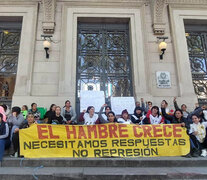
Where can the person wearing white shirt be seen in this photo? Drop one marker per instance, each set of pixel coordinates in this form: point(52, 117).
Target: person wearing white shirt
point(90, 117)
point(103, 116)
point(124, 119)
point(197, 134)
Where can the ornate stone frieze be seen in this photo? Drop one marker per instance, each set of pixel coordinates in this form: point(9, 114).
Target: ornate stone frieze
point(199, 2)
point(157, 7)
point(48, 24)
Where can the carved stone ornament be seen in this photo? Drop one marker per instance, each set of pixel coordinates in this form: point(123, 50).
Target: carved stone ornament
point(196, 2)
point(48, 24)
point(157, 7)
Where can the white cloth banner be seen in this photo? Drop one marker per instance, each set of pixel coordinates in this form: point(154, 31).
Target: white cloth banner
point(91, 98)
point(118, 104)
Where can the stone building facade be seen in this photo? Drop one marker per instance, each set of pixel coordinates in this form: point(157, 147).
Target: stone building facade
point(54, 80)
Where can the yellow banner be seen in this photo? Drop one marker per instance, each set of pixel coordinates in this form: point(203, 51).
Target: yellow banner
point(104, 140)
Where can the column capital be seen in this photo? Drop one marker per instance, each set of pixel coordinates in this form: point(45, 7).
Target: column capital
point(48, 23)
point(157, 7)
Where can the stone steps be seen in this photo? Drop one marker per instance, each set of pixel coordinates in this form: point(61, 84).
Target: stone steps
point(89, 173)
point(159, 168)
point(106, 162)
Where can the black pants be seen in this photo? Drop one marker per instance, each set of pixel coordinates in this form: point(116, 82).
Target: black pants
point(197, 144)
point(15, 141)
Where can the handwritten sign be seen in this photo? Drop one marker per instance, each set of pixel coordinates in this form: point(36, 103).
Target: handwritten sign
point(118, 104)
point(91, 98)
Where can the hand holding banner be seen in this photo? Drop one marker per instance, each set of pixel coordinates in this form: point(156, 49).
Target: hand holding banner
point(104, 140)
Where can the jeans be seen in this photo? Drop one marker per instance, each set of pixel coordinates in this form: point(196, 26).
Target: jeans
point(2, 147)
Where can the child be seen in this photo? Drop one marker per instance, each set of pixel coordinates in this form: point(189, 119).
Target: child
point(197, 134)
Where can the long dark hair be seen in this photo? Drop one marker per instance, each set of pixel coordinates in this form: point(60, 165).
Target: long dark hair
point(2, 126)
point(33, 104)
point(88, 109)
point(158, 111)
point(52, 106)
point(165, 102)
point(5, 107)
point(1, 116)
point(111, 112)
point(199, 117)
point(107, 108)
point(25, 107)
point(16, 109)
point(179, 111)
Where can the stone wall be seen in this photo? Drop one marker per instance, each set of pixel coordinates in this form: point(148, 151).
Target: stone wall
point(52, 80)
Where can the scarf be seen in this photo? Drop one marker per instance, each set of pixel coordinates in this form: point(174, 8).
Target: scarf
point(138, 115)
point(201, 132)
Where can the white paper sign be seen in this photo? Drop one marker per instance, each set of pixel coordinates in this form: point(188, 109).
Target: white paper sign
point(118, 104)
point(91, 98)
point(163, 79)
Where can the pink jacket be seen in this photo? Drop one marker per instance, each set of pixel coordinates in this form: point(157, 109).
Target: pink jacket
point(3, 112)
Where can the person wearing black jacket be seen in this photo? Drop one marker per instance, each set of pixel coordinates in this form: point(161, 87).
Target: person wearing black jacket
point(138, 116)
point(177, 118)
point(185, 122)
point(49, 114)
point(183, 108)
point(57, 118)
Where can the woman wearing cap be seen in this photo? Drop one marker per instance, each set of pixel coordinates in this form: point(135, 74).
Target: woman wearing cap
point(124, 119)
point(138, 116)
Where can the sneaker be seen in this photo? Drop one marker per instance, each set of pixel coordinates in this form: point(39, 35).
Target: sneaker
point(196, 153)
point(14, 155)
point(188, 155)
point(203, 153)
